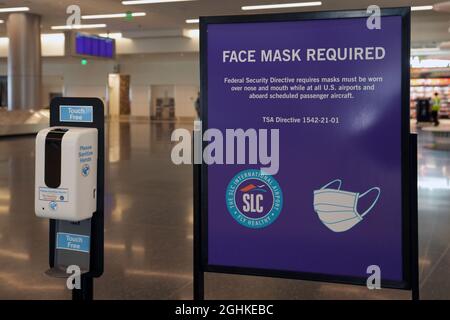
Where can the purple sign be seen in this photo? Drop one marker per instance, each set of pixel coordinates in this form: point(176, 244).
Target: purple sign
point(332, 89)
point(91, 45)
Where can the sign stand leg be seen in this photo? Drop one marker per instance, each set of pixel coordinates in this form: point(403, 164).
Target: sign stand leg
point(86, 293)
point(415, 287)
point(199, 283)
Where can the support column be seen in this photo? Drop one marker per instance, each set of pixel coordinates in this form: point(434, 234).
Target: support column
point(24, 61)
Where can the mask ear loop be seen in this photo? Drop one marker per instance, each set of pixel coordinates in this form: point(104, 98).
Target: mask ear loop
point(374, 202)
point(330, 183)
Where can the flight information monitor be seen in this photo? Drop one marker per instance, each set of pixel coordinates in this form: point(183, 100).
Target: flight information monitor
point(94, 46)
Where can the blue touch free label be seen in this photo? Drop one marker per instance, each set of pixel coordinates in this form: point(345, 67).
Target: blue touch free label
point(76, 114)
point(72, 242)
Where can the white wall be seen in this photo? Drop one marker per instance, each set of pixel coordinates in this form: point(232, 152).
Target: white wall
point(157, 45)
point(53, 45)
point(185, 97)
point(67, 75)
point(148, 61)
point(180, 70)
point(77, 80)
point(113, 94)
point(51, 83)
point(97, 91)
point(140, 96)
point(161, 69)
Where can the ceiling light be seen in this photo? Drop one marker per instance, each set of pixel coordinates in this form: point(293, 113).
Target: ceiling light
point(113, 15)
point(425, 49)
point(192, 20)
point(79, 26)
point(2, 21)
point(415, 62)
point(421, 8)
point(112, 35)
point(14, 9)
point(282, 5)
point(131, 2)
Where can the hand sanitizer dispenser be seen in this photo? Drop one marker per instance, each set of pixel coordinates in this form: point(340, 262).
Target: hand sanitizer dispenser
point(66, 173)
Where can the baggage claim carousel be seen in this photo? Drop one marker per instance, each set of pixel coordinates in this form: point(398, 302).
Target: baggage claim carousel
point(13, 123)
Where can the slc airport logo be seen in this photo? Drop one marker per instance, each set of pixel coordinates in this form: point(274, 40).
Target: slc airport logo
point(254, 199)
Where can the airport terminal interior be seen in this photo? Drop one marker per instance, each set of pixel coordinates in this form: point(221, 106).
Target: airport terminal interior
point(150, 86)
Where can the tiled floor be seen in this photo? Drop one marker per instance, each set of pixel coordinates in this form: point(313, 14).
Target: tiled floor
point(148, 228)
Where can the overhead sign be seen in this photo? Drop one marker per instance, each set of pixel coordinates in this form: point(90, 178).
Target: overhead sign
point(95, 46)
point(334, 92)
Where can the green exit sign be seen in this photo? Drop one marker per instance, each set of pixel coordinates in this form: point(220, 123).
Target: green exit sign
point(129, 16)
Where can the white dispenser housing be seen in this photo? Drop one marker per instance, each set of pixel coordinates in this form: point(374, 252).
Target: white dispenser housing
point(66, 173)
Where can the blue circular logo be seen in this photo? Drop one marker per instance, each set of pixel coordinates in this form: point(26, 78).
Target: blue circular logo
point(53, 205)
point(85, 170)
point(254, 199)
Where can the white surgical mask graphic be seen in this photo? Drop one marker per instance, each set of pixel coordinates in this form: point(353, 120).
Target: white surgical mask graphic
point(337, 209)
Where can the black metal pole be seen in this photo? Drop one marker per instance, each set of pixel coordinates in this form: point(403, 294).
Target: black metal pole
point(86, 292)
point(415, 280)
point(199, 283)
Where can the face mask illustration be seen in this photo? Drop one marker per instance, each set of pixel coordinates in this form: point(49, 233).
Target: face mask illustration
point(337, 209)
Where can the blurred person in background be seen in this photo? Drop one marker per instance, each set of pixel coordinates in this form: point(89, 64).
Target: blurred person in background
point(436, 106)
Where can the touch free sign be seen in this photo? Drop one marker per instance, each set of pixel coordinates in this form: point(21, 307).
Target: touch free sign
point(76, 113)
point(72, 242)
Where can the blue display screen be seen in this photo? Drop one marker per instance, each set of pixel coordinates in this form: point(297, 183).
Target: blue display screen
point(94, 46)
